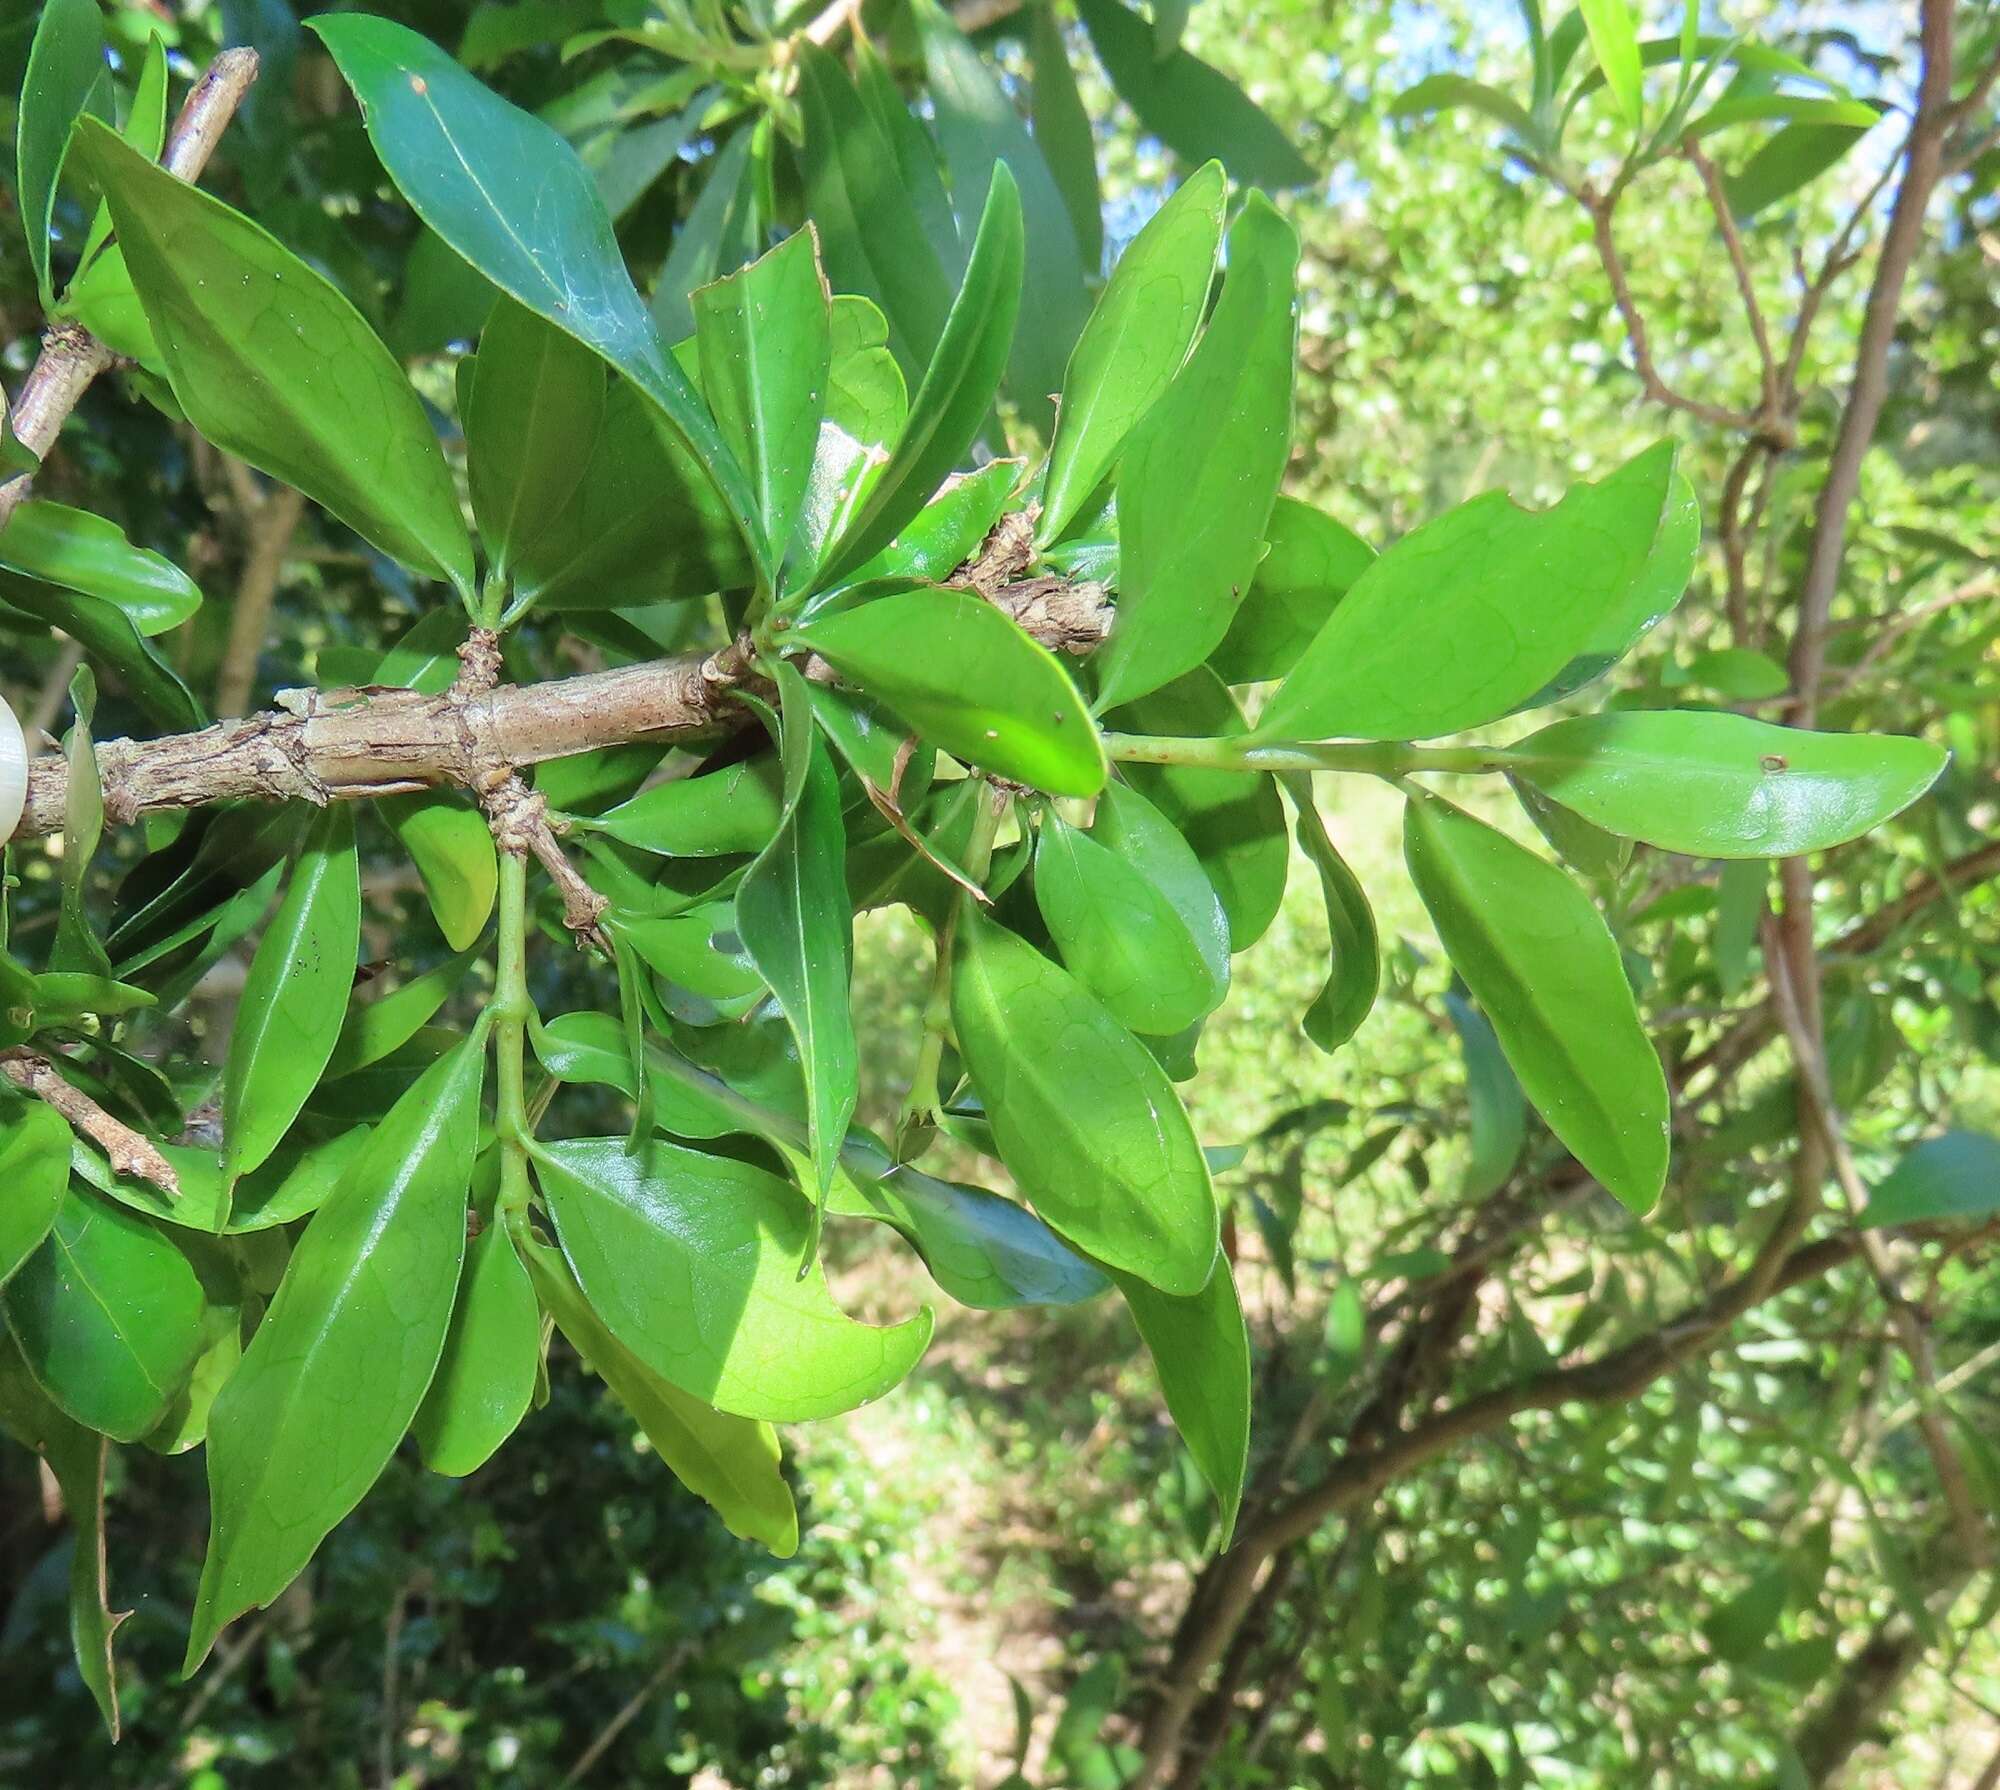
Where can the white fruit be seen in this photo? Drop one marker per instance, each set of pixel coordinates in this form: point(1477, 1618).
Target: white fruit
point(13, 772)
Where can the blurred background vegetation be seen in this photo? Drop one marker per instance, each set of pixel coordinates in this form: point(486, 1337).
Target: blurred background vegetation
point(1741, 1576)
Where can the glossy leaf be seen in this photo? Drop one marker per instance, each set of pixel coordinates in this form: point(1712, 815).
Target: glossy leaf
point(452, 847)
point(1235, 823)
point(271, 363)
point(1491, 600)
point(980, 131)
point(916, 154)
point(1135, 342)
point(65, 66)
point(86, 553)
point(1085, 1119)
point(765, 336)
point(1199, 477)
point(1955, 1175)
point(1120, 936)
point(1129, 825)
point(295, 995)
point(486, 1376)
point(731, 1463)
point(736, 809)
point(1548, 976)
point(372, 1029)
point(34, 1170)
point(872, 234)
point(1201, 1352)
point(967, 678)
point(794, 918)
point(347, 1350)
point(1614, 37)
point(108, 1314)
point(107, 633)
point(693, 1263)
point(76, 1457)
point(712, 238)
point(1724, 786)
point(958, 387)
point(1199, 113)
point(1063, 135)
point(530, 429)
point(949, 529)
point(1310, 562)
point(511, 197)
point(1355, 978)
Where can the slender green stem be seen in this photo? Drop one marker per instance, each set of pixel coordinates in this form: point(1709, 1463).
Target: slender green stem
point(1380, 758)
point(511, 1008)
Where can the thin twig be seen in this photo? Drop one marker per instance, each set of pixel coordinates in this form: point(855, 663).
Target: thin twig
point(129, 1151)
point(269, 525)
point(625, 1717)
point(1746, 285)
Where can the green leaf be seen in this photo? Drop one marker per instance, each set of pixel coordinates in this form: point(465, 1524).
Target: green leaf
point(1199, 113)
point(1614, 37)
point(486, 1376)
point(1201, 1352)
point(696, 950)
point(715, 236)
point(452, 848)
point(1724, 786)
point(1492, 601)
point(947, 531)
point(1063, 135)
point(966, 677)
point(980, 131)
point(642, 525)
point(1499, 1116)
point(77, 948)
point(1953, 1175)
point(106, 633)
point(76, 1456)
point(108, 1313)
point(1235, 823)
point(916, 154)
point(347, 1350)
point(1355, 978)
point(1792, 157)
point(65, 65)
point(1135, 342)
point(1740, 899)
point(1121, 937)
point(794, 918)
point(1085, 1119)
point(958, 386)
point(1448, 92)
point(765, 337)
point(373, 1029)
point(871, 232)
point(1310, 562)
point(86, 553)
point(729, 1462)
point(295, 995)
point(511, 197)
point(693, 1263)
point(1549, 978)
point(1739, 673)
point(1199, 477)
point(34, 1169)
point(1738, 1630)
point(272, 364)
point(736, 809)
point(530, 429)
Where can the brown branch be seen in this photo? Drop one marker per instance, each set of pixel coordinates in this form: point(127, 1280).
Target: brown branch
point(129, 1151)
point(1746, 285)
point(270, 520)
point(321, 746)
point(72, 357)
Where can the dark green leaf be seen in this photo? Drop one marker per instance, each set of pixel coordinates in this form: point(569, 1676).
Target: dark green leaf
point(1199, 113)
point(374, 1028)
point(713, 239)
point(271, 363)
point(1493, 601)
point(1355, 977)
point(794, 918)
point(1063, 135)
point(65, 64)
point(968, 679)
point(1448, 92)
point(1740, 900)
point(1197, 482)
point(106, 633)
point(1499, 1116)
point(1136, 341)
point(34, 1169)
point(1954, 1175)
point(1085, 1119)
point(1724, 786)
point(530, 429)
point(511, 197)
point(1792, 157)
point(295, 995)
point(958, 387)
point(347, 1350)
point(1549, 978)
